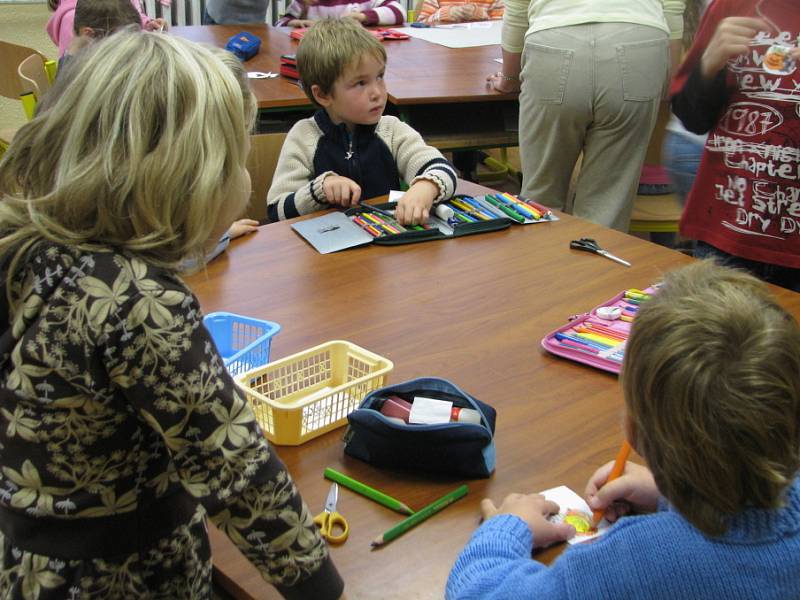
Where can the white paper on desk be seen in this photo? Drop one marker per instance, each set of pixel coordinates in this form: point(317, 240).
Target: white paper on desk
point(395, 195)
point(429, 411)
point(575, 511)
point(332, 232)
point(459, 35)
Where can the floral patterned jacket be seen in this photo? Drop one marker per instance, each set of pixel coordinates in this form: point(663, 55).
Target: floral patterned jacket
point(120, 430)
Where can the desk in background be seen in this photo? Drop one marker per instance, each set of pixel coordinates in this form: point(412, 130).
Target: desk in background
point(472, 310)
point(440, 91)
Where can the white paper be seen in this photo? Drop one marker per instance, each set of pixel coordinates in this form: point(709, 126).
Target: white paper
point(429, 411)
point(395, 195)
point(574, 508)
point(460, 35)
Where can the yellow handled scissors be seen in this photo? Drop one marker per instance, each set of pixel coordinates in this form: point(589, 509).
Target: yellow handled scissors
point(329, 520)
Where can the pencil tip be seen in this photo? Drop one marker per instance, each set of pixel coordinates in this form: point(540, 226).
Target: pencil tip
point(376, 543)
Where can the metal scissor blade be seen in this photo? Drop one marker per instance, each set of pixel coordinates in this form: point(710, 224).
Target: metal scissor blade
point(616, 259)
point(333, 498)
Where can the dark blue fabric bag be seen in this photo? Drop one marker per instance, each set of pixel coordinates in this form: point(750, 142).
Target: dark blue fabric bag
point(458, 449)
point(244, 45)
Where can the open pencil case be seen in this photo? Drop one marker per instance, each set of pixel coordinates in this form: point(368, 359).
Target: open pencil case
point(456, 448)
point(598, 338)
point(386, 231)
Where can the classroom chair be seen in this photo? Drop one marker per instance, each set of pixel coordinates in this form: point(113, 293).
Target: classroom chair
point(11, 55)
point(265, 148)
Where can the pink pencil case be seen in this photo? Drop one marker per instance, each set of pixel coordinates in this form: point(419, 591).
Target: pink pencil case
point(597, 338)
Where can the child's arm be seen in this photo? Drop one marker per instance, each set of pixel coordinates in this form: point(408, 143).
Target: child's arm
point(429, 13)
point(296, 189)
point(219, 453)
point(635, 490)
point(295, 13)
point(416, 161)
point(384, 12)
point(496, 563)
point(699, 91)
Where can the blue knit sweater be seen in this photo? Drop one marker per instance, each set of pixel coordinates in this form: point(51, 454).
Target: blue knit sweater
point(659, 556)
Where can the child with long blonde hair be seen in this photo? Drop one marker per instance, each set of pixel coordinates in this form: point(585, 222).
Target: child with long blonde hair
point(120, 429)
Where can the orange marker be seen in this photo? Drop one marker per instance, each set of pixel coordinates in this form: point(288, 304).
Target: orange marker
point(616, 471)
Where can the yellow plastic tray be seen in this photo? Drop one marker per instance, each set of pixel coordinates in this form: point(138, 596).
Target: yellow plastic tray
point(304, 395)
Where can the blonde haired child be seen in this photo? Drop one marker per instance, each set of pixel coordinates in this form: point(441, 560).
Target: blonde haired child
point(121, 429)
point(712, 391)
point(348, 150)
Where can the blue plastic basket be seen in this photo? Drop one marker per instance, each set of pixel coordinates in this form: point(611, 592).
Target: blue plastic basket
point(243, 342)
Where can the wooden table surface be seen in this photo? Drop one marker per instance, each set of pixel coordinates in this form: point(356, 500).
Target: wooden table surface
point(472, 310)
point(418, 72)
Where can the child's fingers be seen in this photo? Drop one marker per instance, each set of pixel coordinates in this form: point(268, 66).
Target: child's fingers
point(488, 509)
point(597, 479)
point(355, 194)
point(619, 489)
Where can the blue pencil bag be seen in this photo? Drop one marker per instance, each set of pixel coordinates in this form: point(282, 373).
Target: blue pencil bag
point(455, 448)
point(244, 45)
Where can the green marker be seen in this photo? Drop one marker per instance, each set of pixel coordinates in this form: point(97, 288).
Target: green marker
point(419, 516)
point(367, 491)
point(508, 211)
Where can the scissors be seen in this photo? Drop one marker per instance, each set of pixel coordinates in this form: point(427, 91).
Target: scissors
point(329, 519)
point(590, 245)
point(261, 75)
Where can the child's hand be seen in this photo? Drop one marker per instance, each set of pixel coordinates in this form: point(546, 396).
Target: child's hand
point(357, 15)
point(534, 510)
point(634, 490)
point(300, 23)
point(731, 39)
point(341, 191)
point(414, 207)
point(241, 227)
point(156, 25)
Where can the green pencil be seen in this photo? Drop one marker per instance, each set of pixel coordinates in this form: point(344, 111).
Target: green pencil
point(419, 516)
point(367, 491)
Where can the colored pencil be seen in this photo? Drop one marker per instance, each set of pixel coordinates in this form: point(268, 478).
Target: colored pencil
point(616, 471)
point(365, 490)
point(419, 516)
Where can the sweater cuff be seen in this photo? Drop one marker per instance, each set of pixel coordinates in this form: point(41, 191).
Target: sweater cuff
point(371, 17)
point(324, 584)
point(317, 189)
point(435, 180)
point(505, 534)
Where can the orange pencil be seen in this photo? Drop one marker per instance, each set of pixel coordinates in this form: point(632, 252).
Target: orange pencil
point(616, 471)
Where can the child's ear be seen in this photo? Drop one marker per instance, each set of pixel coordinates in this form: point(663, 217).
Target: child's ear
point(323, 99)
point(86, 32)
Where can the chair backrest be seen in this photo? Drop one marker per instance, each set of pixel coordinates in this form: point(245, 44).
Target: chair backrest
point(32, 76)
point(11, 55)
point(265, 148)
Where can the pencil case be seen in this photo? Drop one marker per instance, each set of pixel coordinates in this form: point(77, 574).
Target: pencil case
point(598, 338)
point(244, 45)
point(457, 448)
point(288, 66)
point(386, 231)
point(379, 33)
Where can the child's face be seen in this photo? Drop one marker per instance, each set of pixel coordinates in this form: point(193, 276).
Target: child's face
point(358, 96)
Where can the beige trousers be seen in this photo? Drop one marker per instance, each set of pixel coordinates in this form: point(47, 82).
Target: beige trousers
point(592, 88)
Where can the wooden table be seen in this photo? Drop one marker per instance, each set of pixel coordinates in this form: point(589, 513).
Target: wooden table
point(472, 310)
point(440, 91)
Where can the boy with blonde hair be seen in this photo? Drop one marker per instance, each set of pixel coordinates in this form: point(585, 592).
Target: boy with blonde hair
point(712, 392)
point(348, 150)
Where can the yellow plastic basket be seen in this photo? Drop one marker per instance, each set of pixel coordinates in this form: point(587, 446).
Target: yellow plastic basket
point(304, 395)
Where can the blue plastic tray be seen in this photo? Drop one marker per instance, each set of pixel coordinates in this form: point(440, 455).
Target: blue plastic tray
point(243, 342)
